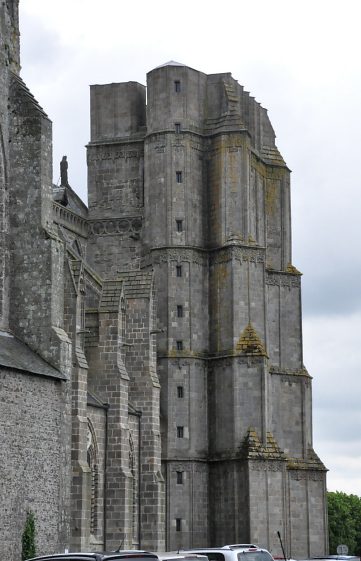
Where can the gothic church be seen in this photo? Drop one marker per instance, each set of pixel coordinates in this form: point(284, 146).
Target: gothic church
point(152, 387)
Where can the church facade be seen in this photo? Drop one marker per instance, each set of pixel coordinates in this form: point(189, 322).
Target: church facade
point(153, 393)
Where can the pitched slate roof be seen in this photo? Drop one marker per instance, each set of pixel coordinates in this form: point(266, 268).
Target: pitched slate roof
point(137, 284)
point(17, 355)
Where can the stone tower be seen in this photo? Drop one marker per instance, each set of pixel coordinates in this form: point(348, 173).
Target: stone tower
point(9, 62)
point(192, 186)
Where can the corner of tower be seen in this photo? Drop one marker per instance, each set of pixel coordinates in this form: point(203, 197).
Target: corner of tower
point(10, 34)
point(117, 110)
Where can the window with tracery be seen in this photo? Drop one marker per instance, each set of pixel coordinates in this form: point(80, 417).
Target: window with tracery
point(134, 501)
point(94, 479)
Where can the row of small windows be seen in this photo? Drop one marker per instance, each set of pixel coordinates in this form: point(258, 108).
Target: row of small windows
point(179, 343)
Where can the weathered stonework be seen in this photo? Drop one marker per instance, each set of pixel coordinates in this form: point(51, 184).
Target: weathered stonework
point(152, 385)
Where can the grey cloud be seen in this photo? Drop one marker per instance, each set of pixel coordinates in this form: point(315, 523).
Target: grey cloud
point(41, 49)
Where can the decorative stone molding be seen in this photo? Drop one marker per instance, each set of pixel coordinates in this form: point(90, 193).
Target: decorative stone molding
point(114, 155)
point(283, 279)
point(267, 465)
point(116, 226)
point(189, 466)
point(243, 254)
point(274, 369)
point(302, 475)
point(190, 255)
point(186, 354)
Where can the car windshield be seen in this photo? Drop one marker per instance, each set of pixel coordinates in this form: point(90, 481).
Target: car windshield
point(254, 556)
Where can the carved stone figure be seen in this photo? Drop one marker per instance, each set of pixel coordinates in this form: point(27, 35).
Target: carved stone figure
point(64, 172)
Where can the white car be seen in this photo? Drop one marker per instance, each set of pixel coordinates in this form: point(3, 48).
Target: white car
point(234, 552)
point(180, 556)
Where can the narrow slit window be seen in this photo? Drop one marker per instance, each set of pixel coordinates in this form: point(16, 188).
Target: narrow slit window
point(177, 86)
point(177, 127)
point(179, 345)
point(180, 432)
point(179, 270)
point(180, 477)
point(179, 176)
point(179, 311)
point(180, 392)
point(179, 224)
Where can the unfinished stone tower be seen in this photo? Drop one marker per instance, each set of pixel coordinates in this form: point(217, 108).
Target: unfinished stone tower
point(192, 187)
point(152, 387)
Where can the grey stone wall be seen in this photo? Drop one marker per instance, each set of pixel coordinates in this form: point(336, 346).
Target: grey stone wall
point(35, 439)
point(187, 504)
point(229, 512)
point(266, 479)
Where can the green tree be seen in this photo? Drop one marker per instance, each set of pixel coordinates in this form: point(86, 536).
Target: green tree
point(344, 521)
point(28, 538)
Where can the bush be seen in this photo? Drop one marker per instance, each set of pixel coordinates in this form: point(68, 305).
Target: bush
point(28, 538)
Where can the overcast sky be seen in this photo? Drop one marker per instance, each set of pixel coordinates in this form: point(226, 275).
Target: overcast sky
point(301, 60)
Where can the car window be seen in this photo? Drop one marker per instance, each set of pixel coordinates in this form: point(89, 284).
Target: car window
point(133, 557)
point(212, 555)
point(67, 558)
point(254, 556)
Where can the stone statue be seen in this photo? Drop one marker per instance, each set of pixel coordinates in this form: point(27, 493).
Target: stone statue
point(64, 172)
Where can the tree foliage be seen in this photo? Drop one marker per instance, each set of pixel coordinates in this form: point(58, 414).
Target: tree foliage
point(28, 538)
point(344, 522)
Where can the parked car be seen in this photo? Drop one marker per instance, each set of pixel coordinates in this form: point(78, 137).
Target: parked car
point(234, 552)
point(132, 555)
point(335, 558)
point(176, 556)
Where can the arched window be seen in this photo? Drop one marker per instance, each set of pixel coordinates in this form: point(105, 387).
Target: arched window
point(92, 458)
point(134, 496)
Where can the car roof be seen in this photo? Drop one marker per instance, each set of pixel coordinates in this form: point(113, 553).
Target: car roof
point(179, 554)
point(97, 556)
point(241, 546)
point(244, 547)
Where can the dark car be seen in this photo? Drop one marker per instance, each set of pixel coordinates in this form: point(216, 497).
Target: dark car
point(132, 555)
